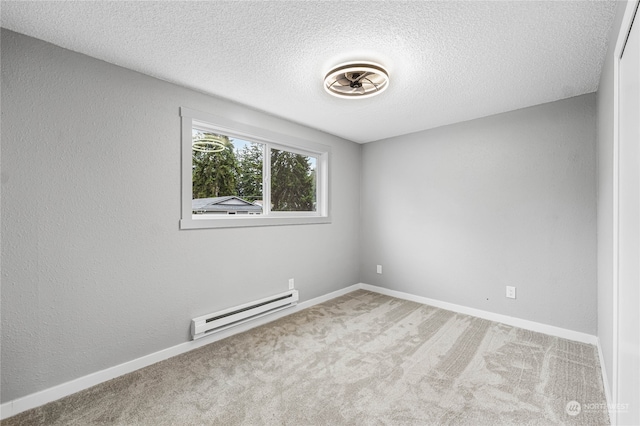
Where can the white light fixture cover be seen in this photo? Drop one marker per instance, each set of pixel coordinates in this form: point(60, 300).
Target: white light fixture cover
point(356, 80)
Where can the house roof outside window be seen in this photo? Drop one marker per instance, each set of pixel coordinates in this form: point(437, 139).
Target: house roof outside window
point(229, 204)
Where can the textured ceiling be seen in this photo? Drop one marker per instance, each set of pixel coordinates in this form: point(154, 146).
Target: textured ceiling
point(448, 61)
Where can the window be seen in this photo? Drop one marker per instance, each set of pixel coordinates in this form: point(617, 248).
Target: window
point(237, 175)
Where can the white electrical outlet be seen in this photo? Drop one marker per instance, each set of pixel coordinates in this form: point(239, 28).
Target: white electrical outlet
point(291, 283)
point(379, 269)
point(511, 292)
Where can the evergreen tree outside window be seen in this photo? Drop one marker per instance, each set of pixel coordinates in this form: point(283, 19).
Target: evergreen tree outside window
point(214, 173)
point(292, 181)
point(250, 172)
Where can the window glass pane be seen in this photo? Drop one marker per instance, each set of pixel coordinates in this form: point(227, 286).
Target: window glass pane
point(226, 174)
point(293, 182)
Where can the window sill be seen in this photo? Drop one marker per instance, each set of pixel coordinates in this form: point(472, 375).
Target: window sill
point(197, 222)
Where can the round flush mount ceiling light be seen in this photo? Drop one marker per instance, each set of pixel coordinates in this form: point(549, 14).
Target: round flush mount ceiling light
point(356, 80)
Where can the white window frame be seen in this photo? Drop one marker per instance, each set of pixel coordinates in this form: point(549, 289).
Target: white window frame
point(270, 139)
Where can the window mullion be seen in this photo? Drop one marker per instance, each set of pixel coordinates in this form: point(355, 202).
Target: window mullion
point(266, 179)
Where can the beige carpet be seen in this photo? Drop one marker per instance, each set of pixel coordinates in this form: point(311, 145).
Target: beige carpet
point(361, 359)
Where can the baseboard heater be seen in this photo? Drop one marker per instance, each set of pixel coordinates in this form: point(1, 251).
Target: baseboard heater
point(222, 320)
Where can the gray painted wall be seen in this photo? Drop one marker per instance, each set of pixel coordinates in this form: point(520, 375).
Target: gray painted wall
point(459, 212)
point(605, 99)
point(95, 271)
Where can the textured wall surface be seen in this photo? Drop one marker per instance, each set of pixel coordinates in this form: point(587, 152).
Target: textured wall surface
point(605, 200)
point(459, 212)
point(95, 271)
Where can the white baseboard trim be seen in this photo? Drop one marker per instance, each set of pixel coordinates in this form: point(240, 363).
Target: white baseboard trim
point(605, 383)
point(37, 399)
point(328, 296)
point(505, 319)
point(11, 408)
